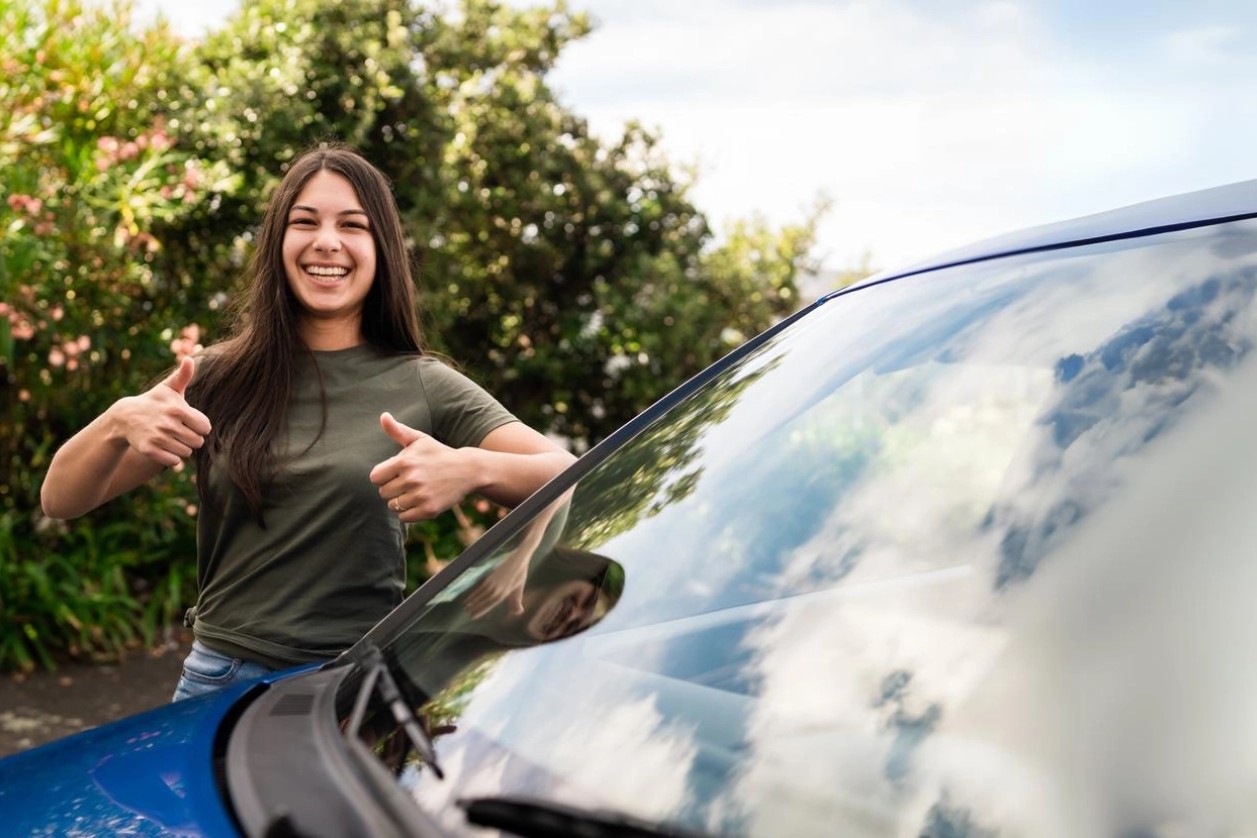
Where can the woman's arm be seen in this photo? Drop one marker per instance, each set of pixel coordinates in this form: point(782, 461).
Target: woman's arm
point(514, 461)
point(427, 477)
point(125, 446)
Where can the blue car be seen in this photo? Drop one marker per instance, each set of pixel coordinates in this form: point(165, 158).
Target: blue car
point(966, 550)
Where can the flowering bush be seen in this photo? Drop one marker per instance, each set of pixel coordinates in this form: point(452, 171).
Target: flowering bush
point(91, 174)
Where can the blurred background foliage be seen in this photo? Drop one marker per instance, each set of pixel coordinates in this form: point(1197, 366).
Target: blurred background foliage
point(570, 275)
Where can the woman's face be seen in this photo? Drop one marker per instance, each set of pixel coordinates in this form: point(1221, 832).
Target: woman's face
point(329, 260)
point(560, 611)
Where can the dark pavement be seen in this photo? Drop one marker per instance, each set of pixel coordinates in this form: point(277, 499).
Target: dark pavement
point(48, 705)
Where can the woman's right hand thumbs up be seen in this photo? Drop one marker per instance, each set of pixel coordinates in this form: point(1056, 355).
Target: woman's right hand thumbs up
point(160, 424)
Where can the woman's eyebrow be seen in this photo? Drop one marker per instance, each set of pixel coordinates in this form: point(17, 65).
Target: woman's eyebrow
point(315, 211)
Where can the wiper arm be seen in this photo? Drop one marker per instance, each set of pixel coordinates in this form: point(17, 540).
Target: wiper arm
point(530, 818)
point(378, 675)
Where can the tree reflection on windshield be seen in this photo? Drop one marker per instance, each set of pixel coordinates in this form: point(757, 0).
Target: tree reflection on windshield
point(658, 468)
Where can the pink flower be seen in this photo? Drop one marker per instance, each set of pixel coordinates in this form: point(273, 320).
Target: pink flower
point(56, 357)
point(84, 342)
point(159, 140)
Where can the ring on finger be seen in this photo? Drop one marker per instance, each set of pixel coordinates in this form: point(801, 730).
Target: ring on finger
point(397, 506)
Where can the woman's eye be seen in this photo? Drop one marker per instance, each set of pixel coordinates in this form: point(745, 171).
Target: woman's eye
point(301, 222)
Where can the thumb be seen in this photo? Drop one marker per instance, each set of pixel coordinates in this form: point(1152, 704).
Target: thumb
point(515, 604)
point(182, 377)
point(398, 432)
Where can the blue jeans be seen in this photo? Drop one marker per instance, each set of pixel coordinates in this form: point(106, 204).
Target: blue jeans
point(206, 671)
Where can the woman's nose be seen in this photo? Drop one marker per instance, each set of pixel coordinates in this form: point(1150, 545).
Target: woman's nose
point(327, 240)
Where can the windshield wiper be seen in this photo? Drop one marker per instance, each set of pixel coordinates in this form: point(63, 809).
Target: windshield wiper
point(531, 818)
point(378, 675)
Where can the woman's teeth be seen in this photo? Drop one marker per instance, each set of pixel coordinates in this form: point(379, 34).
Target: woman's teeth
point(321, 271)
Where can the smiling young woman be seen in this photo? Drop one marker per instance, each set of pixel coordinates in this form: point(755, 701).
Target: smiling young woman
point(319, 429)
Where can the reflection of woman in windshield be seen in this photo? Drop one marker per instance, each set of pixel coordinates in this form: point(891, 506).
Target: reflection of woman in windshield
point(505, 581)
point(569, 591)
point(566, 592)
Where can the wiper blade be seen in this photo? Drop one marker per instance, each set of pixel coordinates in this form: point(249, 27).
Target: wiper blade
point(531, 818)
point(379, 676)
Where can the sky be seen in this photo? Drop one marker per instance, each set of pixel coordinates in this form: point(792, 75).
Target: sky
point(928, 124)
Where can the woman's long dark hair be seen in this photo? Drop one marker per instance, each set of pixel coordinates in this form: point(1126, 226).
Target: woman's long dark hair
point(245, 389)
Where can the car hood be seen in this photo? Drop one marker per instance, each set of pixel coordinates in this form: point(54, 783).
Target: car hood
point(151, 774)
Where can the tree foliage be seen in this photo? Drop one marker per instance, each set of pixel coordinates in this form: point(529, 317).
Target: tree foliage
point(569, 274)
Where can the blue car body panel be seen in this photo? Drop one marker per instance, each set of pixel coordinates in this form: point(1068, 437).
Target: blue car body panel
point(150, 774)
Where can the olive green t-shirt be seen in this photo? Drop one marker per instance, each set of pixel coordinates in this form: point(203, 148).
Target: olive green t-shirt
point(329, 562)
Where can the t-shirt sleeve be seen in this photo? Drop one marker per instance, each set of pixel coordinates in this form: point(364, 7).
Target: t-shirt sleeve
point(463, 414)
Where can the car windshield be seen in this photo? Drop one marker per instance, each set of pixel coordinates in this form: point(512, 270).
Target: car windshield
point(893, 571)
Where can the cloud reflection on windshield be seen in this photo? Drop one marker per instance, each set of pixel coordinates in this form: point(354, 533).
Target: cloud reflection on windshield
point(1046, 440)
point(617, 719)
